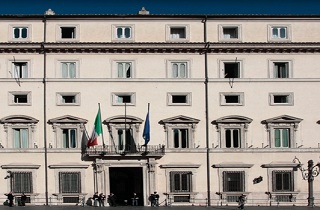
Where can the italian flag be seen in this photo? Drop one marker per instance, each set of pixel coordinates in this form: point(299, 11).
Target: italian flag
point(97, 131)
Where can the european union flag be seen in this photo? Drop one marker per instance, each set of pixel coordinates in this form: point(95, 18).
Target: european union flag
point(146, 130)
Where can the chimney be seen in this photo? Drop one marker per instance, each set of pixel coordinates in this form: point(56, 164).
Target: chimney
point(143, 11)
point(49, 12)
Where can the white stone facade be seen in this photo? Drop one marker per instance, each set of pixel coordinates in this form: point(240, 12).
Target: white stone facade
point(233, 104)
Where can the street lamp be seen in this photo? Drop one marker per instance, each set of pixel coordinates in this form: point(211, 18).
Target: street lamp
point(309, 174)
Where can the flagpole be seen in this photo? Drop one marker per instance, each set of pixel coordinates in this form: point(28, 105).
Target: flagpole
point(101, 127)
point(125, 126)
point(149, 131)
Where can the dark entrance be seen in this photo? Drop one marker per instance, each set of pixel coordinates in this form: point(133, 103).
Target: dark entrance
point(124, 182)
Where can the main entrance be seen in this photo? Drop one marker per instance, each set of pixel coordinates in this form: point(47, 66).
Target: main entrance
point(124, 181)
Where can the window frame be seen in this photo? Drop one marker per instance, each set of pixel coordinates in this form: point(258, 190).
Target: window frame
point(226, 185)
point(59, 32)
point(186, 94)
point(170, 64)
point(115, 32)
point(59, 98)
point(223, 101)
point(115, 70)
point(61, 182)
point(271, 38)
point(222, 37)
point(11, 34)
point(115, 95)
point(169, 35)
point(222, 68)
point(289, 95)
point(272, 68)
point(12, 69)
point(59, 72)
point(12, 94)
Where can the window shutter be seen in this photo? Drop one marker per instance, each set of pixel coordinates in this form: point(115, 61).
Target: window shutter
point(277, 140)
point(285, 137)
point(72, 70)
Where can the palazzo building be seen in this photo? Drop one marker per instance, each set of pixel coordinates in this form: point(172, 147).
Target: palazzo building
point(233, 103)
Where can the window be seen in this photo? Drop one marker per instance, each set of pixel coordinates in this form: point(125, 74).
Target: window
point(232, 131)
point(179, 99)
point(180, 131)
point(20, 138)
point(123, 32)
point(20, 130)
point(21, 182)
point(123, 98)
point(69, 182)
point(69, 138)
point(180, 138)
point(68, 131)
point(68, 32)
point(178, 69)
point(281, 99)
point(232, 70)
point(68, 70)
point(20, 32)
point(181, 181)
point(231, 99)
point(279, 32)
point(177, 32)
point(68, 99)
point(281, 70)
point(124, 70)
point(17, 98)
point(125, 132)
point(230, 33)
point(282, 131)
point(19, 70)
point(233, 181)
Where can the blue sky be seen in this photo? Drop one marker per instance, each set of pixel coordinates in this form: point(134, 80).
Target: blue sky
point(161, 6)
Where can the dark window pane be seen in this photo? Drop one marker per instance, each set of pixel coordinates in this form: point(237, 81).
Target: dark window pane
point(179, 99)
point(232, 99)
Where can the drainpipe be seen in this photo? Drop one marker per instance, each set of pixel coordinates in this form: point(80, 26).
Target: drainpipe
point(45, 106)
point(207, 106)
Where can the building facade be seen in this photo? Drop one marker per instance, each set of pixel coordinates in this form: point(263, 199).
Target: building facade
point(232, 106)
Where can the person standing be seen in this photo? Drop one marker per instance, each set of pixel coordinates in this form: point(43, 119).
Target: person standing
point(135, 199)
point(241, 201)
point(10, 198)
point(112, 199)
point(23, 199)
point(95, 199)
point(101, 198)
point(156, 199)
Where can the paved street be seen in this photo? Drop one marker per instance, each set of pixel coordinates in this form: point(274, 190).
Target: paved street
point(169, 208)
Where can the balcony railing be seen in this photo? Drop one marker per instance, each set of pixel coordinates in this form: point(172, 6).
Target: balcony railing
point(107, 150)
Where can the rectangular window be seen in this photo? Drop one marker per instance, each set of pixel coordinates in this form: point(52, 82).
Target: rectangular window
point(20, 138)
point(69, 138)
point(68, 70)
point(124, 69)
point(19, 70)
point(281, 70)
point(178, 33)
point(123, 98)
point(20, 32)
point(282, 181)
point(180, 181)
point(179, 99)
point(232, 137)
point(181, 138)
point(179, 70)
point(125, 142)
point(230, 33)
point(68, 32)
point(21, 182)
point(231, 70)
point(231, 99)
point(233, 181)
point(69, 182)
point(282, 137)
point(68, 99)
point(281, 99)
point(279, 33)
point(124, 32)
point(20, 98)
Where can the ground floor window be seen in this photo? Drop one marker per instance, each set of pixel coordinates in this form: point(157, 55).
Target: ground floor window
point(69, 182)
point(180, 181)
point(21, 182)
point(233, 181)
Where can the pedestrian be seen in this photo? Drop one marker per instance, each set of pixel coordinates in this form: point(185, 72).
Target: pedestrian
point(23, 199)
point(10, 198)
point(154, 198)
point(241, 201)
point(112, 199)
point(101, 199)
point(95, 198)
point(135, 199)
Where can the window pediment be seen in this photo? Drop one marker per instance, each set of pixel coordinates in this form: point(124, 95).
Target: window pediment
point(237, 119)
point(282, 119)
point(280, 165)
point(67, 119)
point(121, 119)
point(18, 119)
point(179, 119)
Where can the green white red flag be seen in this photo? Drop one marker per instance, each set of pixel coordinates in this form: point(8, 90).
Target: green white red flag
point(97, 131)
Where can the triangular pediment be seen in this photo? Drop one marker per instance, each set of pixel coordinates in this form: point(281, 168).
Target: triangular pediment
point(282, 119)
point(18, 119)
point(67, 119)
point(232, 119)
point(179, 119)
point(121, 119)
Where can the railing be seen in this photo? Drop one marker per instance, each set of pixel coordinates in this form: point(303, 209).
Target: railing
point(126, 150)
